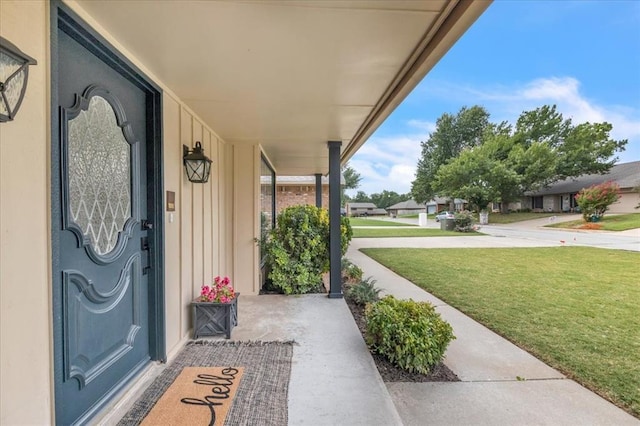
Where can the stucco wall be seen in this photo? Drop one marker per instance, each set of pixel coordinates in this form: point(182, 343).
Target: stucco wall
point(626, 204)
point(25, 325)
point(199, 235)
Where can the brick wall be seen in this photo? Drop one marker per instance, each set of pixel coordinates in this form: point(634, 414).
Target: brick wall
point(295, 195)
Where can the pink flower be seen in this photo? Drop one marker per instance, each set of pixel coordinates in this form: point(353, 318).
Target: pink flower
point(221, 291)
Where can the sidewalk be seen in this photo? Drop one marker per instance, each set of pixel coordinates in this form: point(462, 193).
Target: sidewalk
point(491, 369)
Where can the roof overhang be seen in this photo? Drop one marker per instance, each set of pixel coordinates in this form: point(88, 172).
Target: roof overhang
point(289, 75)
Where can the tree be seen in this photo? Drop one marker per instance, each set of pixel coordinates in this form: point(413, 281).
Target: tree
point(467, 177)
point(542, 148)
point(518, 167)
point(388, 198)
point(351, 177)
point(581, 149)
point(595, 200)
point(361, 197)
point(453, 134)
point(587, 149)
point(351, 181)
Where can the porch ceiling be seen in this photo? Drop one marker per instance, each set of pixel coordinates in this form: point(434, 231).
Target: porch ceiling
point(290, 75)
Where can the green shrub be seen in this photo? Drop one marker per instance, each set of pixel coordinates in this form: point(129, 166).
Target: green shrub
point(351, 273)
point(363, 292)
point(464, 221)
point(409, 334)
point(298, 248)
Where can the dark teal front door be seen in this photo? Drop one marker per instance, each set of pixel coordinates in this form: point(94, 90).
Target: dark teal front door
point(102, 231)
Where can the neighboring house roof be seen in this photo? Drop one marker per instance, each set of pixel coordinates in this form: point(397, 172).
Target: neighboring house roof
point(626, 175)
point(379, 211)
point(406, 205)
point(362, 206)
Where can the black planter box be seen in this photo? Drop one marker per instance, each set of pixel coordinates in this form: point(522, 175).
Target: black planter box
point(212, 319)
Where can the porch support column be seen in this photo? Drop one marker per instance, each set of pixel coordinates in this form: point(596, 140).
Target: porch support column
point(335, 252)
point(318, 190)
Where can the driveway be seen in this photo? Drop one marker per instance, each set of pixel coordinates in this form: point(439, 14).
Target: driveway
point(535, 230)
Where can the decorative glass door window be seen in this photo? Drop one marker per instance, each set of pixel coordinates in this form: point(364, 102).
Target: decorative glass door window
point(99, 175)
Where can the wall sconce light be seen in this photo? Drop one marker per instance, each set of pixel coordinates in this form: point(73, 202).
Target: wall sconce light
point(14, 73)
point(196, 164)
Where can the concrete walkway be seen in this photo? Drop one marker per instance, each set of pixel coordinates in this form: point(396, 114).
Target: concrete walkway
point(500, 383)
point(334, 380)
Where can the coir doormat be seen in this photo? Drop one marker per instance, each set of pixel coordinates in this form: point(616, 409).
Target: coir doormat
point(203, 395)
point(219, 383)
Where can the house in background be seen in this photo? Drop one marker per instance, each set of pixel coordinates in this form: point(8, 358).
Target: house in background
point(439, 204)
point(301, 190)
point(364, 209)
point(560, 196)
point(405, 208)
point(105, 240)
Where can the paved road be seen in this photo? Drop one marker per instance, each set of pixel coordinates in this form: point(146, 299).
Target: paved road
point(608, 240)
point(532, 233)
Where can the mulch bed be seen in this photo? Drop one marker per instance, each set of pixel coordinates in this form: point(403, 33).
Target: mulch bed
point(388, 371)
point(391, 373)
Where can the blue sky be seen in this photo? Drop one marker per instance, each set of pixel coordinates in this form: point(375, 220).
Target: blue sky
point(583, 56)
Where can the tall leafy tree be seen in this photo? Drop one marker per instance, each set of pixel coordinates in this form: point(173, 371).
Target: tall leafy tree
point(580, 149)
point(542, 148)
point(453, 134)
point(468, 177)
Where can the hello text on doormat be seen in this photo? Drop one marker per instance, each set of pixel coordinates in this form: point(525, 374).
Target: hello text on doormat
point(198, 396)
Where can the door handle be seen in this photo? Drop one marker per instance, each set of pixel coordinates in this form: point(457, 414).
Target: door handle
point(146, 225)
point(144, 246)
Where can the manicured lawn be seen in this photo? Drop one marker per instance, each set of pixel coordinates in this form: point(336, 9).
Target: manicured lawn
point(407, 232)
point(430, 216)
point(620, 222)
point(516, 217)
point(576, 308)
point(358, 221)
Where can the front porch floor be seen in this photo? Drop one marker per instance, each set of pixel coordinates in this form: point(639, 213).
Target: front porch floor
point(333, 377)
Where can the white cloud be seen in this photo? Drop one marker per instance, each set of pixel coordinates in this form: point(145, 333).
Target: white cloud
point(387, 163)
point(565, 93)
point(428, 126)
point(507, 102)
point(390, 162)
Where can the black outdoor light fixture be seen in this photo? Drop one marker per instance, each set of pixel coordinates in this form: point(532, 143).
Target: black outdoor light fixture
point(14, 73)
point(196, 164)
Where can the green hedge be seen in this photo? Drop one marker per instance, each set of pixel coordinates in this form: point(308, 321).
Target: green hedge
point(298, 248)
